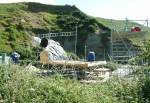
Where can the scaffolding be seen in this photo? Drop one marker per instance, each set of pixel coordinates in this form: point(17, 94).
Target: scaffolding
point(125, 44)
point(61, 34)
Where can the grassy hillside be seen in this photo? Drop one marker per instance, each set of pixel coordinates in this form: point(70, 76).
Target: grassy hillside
point(19, 21)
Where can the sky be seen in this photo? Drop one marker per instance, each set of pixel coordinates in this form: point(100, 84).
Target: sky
point(111, 9)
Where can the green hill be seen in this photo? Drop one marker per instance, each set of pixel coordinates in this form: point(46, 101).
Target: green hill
point(20, 21)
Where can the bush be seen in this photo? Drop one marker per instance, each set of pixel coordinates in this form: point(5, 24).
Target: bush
point(111, 65)
point(146, 90)
point(19, 86)
point(25, 53)
point(5, 49)
point(72, 56)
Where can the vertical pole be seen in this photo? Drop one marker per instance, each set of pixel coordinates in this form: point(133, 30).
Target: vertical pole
point(147, 22)
point(126, 25)
point(104, 54)
point(76, 39)
point(4, 58)
point(147, 26)
point(111, 44)
point(111, 39)
point(85, 52)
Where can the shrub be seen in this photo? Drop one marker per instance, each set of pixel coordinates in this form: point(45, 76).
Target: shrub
point(72, 56)
point(146, 90)
point(19, 86)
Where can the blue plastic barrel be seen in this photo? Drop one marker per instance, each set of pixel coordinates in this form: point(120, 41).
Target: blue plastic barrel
point(91, 56)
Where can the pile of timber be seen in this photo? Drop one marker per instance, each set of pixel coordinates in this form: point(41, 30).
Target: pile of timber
point(74, 64)
point(44, 60)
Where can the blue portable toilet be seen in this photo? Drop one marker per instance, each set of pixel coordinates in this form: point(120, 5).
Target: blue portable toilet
point(91, 56)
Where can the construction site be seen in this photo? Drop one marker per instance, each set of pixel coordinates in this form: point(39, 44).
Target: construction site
point(125, 44)
point(72, 51)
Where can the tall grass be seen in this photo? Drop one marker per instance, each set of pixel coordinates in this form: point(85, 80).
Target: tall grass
point(20, 86)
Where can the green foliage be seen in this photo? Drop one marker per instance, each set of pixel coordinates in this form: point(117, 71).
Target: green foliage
point(12, 7)
point(144, 83)
point(24, 52)
point(18, 85)
point(144, 57)
point(72, 56)
point(86, 26)
point(67, 22)
point(3, 23)
point(147, 50)
point(145, 89)
point(13, 40)
point(54, 9)
point(5, 49)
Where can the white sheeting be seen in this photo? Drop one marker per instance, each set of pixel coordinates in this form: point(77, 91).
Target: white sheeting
point(56, 52)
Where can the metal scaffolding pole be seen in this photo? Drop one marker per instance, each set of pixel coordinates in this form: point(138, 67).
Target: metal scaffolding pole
point(85, 52)
point(76, 35)
point(120, 49)
point(147, 22)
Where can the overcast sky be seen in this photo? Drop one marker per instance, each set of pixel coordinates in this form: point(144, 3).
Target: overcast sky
point(112, 9)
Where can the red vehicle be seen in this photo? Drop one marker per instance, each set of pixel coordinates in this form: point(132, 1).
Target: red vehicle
point(135, 29)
